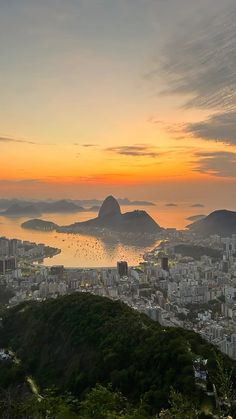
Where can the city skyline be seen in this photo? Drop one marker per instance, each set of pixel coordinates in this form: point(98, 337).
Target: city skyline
point(120, 97)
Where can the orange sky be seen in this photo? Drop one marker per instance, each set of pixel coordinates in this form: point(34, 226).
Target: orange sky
point(88, 108)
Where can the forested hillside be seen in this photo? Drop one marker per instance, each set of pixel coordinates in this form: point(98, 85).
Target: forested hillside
point(75, 342)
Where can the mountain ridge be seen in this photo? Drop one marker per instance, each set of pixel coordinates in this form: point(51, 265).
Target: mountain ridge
point(221, 222)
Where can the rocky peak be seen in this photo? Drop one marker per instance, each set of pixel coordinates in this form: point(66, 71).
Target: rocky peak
point(109, 207)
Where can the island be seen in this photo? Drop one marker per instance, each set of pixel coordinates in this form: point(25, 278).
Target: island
point(37, 224)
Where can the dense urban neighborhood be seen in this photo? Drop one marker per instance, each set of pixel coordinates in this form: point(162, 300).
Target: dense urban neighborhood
point(186, 281)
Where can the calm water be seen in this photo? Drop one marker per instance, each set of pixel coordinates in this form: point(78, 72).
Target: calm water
point(78, 250)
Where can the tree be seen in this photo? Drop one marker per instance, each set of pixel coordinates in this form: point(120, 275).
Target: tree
point(101, 402)
point(104, 403)
point(223, 385)
point(180, 408)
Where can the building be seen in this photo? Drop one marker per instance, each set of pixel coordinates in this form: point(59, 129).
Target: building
point(7, 264)
point(122, 268)
point(165, 263)
point(57, 270)
point(4, 246)
point(12, 247)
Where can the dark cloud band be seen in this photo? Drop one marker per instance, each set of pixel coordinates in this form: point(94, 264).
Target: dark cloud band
point(219, 163)
point(135, 151)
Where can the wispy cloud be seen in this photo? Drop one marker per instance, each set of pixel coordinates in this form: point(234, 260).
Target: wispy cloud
point(199, 64)
point(14, 140)
point(135, 150)
point(86, 145)
point(218, 163)
point(200, 60)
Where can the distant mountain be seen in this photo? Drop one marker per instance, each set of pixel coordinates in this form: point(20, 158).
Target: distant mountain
point(121, 201)
point(196, 217)
point(24, 208)
point(87, 202)
point(41, 225)
point(6, 203)
point(67, 205)
point(62, 206)
point(111, 218)
point(94, 208)
point(222, 222)
point(17, 210)
point(127, 202)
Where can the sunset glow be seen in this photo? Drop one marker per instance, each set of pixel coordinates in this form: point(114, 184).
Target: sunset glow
point(88, 108)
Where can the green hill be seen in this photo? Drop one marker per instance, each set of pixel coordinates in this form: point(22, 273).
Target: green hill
point(77, 341)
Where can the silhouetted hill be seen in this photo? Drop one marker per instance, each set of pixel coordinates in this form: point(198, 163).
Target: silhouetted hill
point(38, 224)
point(196, 217)
point(17, 210)
point(222, 222)
point(139, 221)
point(22, 208)
point(110, 207)
point(79, 340)
point(111, 218)
point(6, 203)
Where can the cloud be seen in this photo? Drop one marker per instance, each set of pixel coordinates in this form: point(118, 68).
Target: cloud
point(197, 206)
point(200, 60)
point(14, 140)
point(198, 63)
point(86, 145)
point(171, 205)
point(218, 163)
point(89, 145)
point(221, 127)
point(135, 151)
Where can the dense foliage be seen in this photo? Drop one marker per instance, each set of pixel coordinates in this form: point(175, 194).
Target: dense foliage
point(5, 294)
point(196, 252)
point(100, 403)
point(77, 341)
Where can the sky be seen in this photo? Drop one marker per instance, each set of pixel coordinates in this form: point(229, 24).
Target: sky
point(131, 97)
